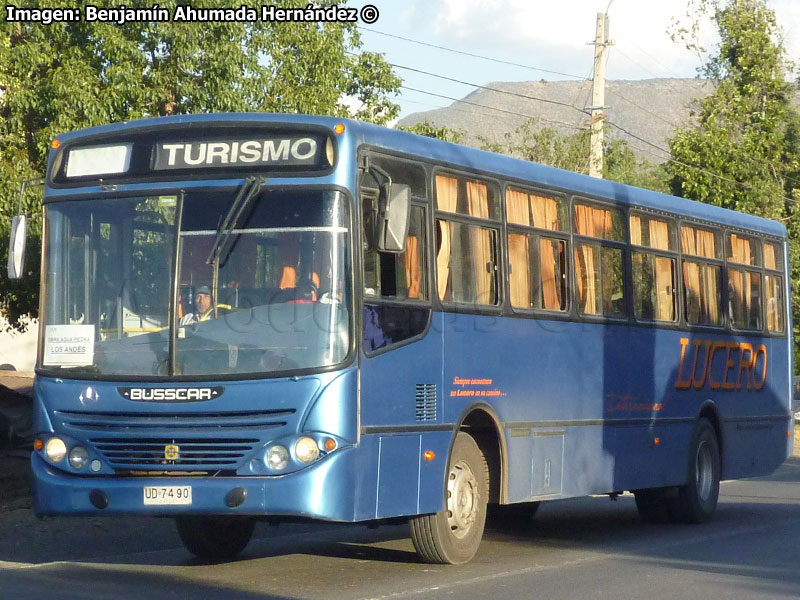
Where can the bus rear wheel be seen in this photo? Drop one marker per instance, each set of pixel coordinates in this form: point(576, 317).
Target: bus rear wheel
point(697, 498)
point(213, 537)
point(452, 536)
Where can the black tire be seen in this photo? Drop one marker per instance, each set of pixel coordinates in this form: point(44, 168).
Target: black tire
point(452, 536)
point(696, 501)
point(215, 538)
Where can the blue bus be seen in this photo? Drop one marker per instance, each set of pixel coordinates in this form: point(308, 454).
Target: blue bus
point(251, 316)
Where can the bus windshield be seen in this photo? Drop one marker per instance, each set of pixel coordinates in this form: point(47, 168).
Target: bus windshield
point(271, 298)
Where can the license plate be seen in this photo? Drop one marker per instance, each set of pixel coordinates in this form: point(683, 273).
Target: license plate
point(167, 495)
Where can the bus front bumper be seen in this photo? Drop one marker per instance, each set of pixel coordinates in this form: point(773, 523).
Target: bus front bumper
point(322, 491)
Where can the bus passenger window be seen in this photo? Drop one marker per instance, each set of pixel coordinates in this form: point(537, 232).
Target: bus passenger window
point(653, 275)
point(744, 299)
point(600, 280)
point(773, 288)
point(653, 287)
point(701, 293)
point(466, 263)
point(701, 281)
point(773, 292)
point(544, 285)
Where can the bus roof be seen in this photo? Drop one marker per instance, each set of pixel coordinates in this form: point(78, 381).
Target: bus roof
point(463, 157)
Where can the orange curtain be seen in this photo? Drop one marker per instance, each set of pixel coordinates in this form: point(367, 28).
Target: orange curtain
point(550, 283)
point(545, 212)
point(520, 277)
point(517, 208)
point(740, 283)
point(659, 239)
point(770, 260)
point(585, 223)
point(289, 253)
point(636, 230)
point(774, 303)
point(447, 200)
point(706, 244)
point(585, 259)
point(413, 275)
point(478, 200)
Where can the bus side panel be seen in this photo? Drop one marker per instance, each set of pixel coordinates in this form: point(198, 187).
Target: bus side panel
point(751, 446)
point(401, 420)
point(620, 395)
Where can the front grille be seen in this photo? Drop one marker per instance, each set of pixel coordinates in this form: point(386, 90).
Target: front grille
point(206, 441)
point(86, 422)
point(194, 453)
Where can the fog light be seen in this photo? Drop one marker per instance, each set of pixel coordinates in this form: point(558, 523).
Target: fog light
point(78, 457)
point(55, 449)
point(306, 450)
point(277, 458)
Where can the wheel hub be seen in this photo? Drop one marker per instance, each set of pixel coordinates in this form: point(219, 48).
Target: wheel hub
point(462, 499)
point(703, 472)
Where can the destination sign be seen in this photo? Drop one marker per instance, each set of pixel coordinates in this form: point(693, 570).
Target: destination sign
point(236, 153)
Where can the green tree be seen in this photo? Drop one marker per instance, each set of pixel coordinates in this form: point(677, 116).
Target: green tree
point(743, 152)
point(65, 76)
point(547, 146)
point(430, 130)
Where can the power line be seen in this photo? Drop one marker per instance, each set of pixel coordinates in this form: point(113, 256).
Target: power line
point(461, 52)
point(491, 89)
point(502, 110)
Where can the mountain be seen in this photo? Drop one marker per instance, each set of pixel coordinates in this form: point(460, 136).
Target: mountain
point(650, 109)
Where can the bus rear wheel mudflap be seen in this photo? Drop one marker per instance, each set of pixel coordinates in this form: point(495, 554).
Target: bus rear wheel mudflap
point(215, 537)
point(696, 500)
point(452, 536)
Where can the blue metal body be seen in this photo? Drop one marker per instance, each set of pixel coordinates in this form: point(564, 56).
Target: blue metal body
point(579, 407)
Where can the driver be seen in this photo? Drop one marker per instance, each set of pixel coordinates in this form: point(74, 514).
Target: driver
point(204, 304)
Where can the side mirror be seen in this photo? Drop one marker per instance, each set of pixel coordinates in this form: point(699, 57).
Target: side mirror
point(16, 246)
point(393, 217)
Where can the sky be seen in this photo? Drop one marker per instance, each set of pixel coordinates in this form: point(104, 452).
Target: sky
point(541, 36)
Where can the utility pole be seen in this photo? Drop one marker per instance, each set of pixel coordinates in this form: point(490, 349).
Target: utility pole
point(598, 107)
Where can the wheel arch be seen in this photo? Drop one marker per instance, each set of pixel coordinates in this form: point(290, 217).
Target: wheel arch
point(482, 423)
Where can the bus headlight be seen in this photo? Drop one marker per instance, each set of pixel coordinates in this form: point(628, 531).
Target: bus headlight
point(277, 457)
point(306, 450)
point(55, 449)
point(78, 457)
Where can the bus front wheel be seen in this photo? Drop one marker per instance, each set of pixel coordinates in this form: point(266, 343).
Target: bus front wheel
point(452, 536)
point(215, 538)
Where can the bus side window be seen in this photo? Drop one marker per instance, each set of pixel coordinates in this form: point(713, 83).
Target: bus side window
point(537, 263)
point(701, 289)
point(466, 253)
point(773, 288)
point(653, 274)
point(599, 266)
point(744, 285)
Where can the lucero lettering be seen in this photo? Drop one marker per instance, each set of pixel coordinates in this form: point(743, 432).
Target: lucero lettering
point(236, 153)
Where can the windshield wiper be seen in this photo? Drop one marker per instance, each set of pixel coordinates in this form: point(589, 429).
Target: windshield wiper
point(250, 188)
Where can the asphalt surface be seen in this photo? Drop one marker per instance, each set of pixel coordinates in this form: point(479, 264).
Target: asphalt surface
point(586, 548)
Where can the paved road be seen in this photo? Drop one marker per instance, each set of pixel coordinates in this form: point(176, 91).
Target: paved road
point(586, 548)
